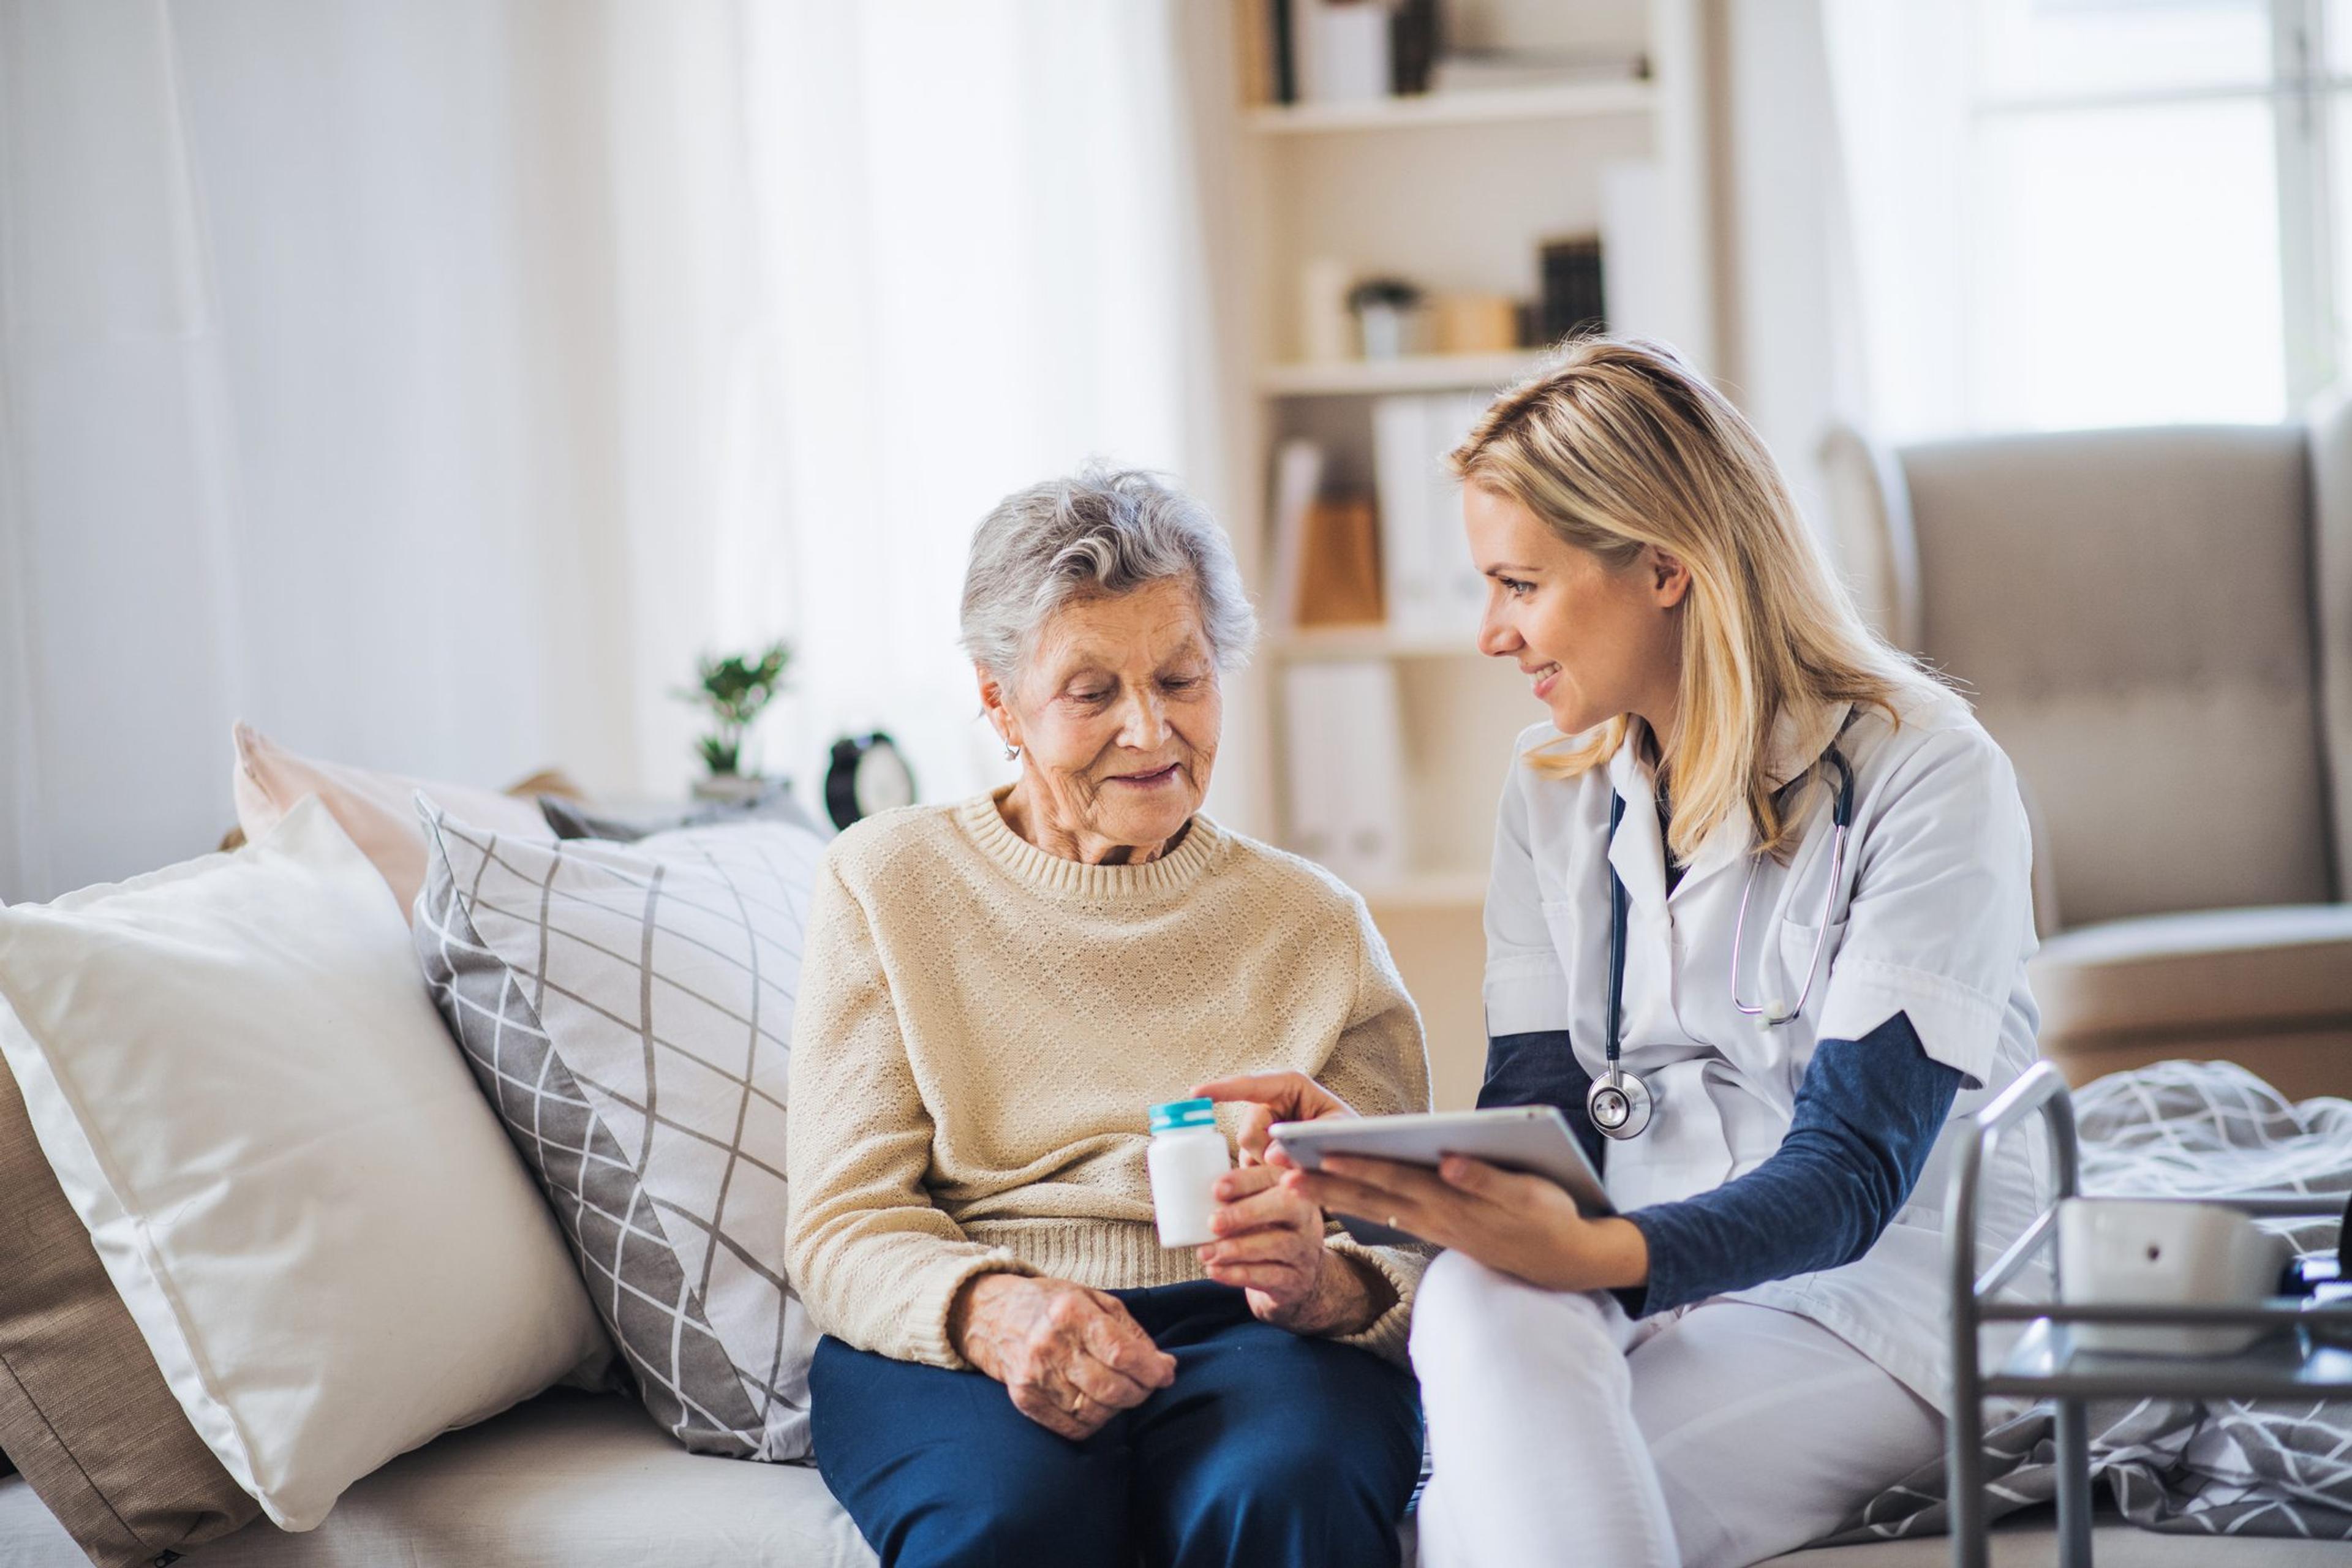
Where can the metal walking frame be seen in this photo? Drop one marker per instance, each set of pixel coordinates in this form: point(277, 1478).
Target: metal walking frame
point(2044, 1365)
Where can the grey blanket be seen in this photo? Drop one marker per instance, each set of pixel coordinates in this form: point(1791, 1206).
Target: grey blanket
point(2191, 1467)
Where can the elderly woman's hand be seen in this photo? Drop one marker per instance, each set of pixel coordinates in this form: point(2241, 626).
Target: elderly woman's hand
point(1070, 1357)
point(1270, 1244)
point(1269, 1239)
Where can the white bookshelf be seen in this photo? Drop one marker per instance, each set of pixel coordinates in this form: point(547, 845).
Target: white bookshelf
point(1374, 641)
point(1458, 192)
point(1414, 373)
point(1490, 106)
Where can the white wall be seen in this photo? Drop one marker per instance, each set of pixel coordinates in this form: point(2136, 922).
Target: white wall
point(1788, 350)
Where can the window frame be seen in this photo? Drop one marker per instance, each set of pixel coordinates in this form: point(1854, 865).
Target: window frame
point(2303, 98)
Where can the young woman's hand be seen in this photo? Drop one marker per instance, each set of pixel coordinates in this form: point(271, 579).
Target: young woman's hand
point(1523, 1226)
point(1071, 1357)
point(1269, 1098)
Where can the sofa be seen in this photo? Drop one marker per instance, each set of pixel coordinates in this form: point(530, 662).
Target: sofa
point(2156, 626)
point(578, 1479)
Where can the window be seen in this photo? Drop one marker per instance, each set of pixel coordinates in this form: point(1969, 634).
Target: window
point(2152, 201)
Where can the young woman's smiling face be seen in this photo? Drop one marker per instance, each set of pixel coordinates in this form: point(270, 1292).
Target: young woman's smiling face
point(1593, 641)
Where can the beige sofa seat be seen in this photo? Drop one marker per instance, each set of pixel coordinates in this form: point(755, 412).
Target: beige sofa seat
point(2269, 988)
point(567, 1480)
point(573, 1481)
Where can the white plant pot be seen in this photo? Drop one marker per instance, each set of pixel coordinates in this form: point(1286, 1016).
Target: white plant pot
point(732, 788)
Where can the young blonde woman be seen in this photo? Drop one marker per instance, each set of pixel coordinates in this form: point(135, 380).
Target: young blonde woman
point(1758, 924)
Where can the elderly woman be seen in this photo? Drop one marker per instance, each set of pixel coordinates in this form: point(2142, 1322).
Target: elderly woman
point(991, 995)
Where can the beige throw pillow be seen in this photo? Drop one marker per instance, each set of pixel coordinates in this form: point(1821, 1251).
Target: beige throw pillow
point(377, 810)
point(85, 1414)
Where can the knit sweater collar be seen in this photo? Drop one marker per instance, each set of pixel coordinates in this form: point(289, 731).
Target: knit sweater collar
point(982, 821)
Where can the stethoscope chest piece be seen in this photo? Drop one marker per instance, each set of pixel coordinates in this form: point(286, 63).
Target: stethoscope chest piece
point(1618, 1103)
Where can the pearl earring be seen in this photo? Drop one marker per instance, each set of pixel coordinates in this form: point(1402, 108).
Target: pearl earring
point(1012, 753)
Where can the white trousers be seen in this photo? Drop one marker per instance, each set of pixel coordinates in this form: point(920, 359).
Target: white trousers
point(1564, 1434)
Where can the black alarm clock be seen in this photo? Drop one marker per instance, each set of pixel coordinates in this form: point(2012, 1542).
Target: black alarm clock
point(869, 775)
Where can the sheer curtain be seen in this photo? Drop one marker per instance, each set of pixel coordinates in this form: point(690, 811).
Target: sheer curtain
point(2082, 214)
point(971, 263)
point(428, 383)
point(1900, 87)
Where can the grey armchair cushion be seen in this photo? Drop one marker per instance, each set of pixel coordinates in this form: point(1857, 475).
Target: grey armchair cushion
point(2271, 988)
point(2133, 609)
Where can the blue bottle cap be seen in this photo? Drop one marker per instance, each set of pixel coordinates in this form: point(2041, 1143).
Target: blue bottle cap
point(1178, 1114)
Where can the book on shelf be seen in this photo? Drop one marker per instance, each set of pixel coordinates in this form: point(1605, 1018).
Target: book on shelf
point(1573, 293)
point(1416, 37)
point(1430, 586)
point(1345, 769)
point(1266, 49)
point(1254, 70)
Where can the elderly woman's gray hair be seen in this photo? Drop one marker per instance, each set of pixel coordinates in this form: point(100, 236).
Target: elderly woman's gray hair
point(1100, 532)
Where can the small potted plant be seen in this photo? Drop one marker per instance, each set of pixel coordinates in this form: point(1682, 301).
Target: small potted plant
point(1385, 311)
point(733, 690)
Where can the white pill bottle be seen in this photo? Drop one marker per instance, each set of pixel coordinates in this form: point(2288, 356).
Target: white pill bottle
point(1188, 1153)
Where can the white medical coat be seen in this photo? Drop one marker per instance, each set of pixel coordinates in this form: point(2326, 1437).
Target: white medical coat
point(1934, 919)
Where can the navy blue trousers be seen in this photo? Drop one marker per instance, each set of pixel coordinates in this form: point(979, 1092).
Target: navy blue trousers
point(1269, 1450)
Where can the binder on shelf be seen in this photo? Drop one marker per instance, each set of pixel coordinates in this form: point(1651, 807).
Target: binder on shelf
point(1346, 795)
point(1648, 285)
point(1297, 479)
point(1339, 564)
point(1431, 585)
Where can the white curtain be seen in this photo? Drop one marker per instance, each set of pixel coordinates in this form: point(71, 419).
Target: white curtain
point(1899, 77)
point(428, 381)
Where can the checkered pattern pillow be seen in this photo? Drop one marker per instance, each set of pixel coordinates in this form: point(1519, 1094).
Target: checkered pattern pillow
point(628, 1009)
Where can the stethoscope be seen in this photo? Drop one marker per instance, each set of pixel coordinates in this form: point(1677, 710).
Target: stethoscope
point(1619, 1102)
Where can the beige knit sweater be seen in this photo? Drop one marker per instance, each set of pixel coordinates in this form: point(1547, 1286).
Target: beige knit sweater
point(980, 1027)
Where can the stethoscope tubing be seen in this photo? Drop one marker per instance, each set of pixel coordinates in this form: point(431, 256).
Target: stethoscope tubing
point(1615, 1078)
point(1842, 825)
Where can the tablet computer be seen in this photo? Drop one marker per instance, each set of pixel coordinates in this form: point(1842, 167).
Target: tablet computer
point(1532, 1139)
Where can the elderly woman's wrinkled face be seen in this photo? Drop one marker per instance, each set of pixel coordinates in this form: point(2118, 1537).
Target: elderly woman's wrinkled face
point(1118, 711)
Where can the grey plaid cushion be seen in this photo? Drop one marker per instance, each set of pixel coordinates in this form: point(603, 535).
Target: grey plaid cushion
point(628, 1009)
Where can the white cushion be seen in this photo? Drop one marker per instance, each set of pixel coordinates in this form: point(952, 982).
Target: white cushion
point(322, 1234)
point(628, 1007)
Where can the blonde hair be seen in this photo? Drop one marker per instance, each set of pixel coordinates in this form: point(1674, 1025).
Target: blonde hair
point(1618, 445)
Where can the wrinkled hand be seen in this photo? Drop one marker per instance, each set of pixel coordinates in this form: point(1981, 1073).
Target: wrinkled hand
point(1270, 1238)
point(1270, 1243)
point(1269, 1098)
point(1070, 1357)
point(1522, 1226)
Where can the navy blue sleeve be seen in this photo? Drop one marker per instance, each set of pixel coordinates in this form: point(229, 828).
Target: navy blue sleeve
point(1867, 1115)
point(1540, 1068)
